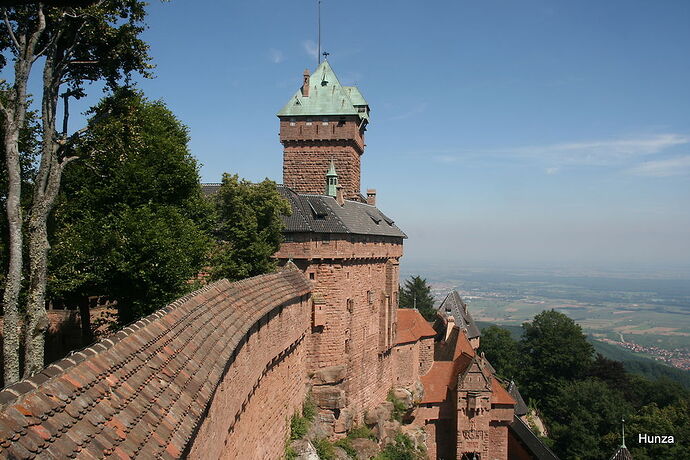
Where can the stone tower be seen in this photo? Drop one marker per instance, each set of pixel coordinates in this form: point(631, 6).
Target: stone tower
point(323, 122)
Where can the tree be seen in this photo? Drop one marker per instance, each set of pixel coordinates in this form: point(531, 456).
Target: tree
point(582, 413)
point(554, 349)
point(249, 228)
point(416, 293)
point(667, 421)
point(131, 222)
point(501, 351)
point(97, 41)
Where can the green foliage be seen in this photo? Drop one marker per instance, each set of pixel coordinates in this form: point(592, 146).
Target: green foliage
point(290, 453)
point(673, 420)
point(325, 449)
point(309, 408)
point(346, 445)
point(501, 351)
point(361, 431)
point(401, 449)
point(299, 426)
point(416, 293)
point(553, 349)
point(398, 407)
point(130, 222)
point(581, 413)
point(249, 228)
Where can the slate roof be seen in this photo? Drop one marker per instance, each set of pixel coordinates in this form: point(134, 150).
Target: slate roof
point(326, 97)
point(323, 214)
point(530, 440)
point(412, 326)
point(520, 406)
point(622, 454)
point(143, 392)
point(454, 306)
point(210, 188)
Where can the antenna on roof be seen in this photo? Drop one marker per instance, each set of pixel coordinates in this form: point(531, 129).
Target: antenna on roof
point(318, 52)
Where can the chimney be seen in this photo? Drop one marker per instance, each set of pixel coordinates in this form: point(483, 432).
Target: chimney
point(305, 83)
point(339, 195)
point(371, 196)
point(449, 327)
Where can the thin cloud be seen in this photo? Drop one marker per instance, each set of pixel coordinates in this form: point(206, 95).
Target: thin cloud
point(603, 152)
point(606, 152)
point(310, 48)
point(276, 56)
point(679, 166)
point(416, 110)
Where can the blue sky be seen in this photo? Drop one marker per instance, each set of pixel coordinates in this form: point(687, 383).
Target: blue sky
point(539, 132)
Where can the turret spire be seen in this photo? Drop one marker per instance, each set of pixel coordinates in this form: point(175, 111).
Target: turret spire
point(331, 181)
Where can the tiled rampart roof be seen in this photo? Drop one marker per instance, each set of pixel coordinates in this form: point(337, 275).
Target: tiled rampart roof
point(143, 392)
point(412, 326)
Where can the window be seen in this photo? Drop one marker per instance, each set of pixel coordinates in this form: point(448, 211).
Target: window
point(370, 296)
point(350, 305)
point(311, 275)
point(326, 238)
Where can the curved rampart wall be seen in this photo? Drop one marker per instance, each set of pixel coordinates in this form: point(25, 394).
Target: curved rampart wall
point(146, 391)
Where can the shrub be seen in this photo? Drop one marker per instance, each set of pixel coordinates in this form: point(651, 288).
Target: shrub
point(290, 453)
point(401, 449)
point(398, 407)
point(298, 427)
point(346, 445)
point(361, 432)
point(309, 408)
point(324, 449)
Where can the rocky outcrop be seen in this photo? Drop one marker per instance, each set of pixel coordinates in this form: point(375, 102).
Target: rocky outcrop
point(365, 448)
point(329, 375)
point(304, 449)
point(328, 397)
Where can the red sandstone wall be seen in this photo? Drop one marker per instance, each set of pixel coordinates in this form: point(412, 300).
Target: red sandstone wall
point(350, 336)
point(406, 359)
point(305, 166)
point(426, 355)
point(322, 130)
point(344, 247)
point(263, 386)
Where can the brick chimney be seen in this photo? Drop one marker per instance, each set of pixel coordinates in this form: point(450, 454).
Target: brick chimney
point(371, 196)
point(449, 326)
point(339, 195)
point(305, 83)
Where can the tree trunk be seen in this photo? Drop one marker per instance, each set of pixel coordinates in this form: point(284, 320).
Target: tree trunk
point(45, 191)
point(10, 327)
point(13, 116)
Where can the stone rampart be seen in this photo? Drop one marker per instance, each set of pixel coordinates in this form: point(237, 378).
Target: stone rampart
point(146, 391)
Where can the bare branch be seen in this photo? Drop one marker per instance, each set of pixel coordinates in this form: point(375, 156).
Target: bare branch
point(65, 161)
point(9, 29)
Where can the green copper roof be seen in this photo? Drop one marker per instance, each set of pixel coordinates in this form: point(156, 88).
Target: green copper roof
point(326, 97)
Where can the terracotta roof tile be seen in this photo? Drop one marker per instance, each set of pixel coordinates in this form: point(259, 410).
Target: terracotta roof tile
point(499, 395)
point(142, 392)
point(412, 326)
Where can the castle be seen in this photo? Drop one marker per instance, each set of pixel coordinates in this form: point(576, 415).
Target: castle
point(219, 372)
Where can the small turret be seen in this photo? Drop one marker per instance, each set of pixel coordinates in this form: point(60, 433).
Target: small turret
point(332, 181)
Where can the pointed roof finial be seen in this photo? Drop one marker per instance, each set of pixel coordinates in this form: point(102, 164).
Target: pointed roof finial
point(623, 423)
point(332, 181)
